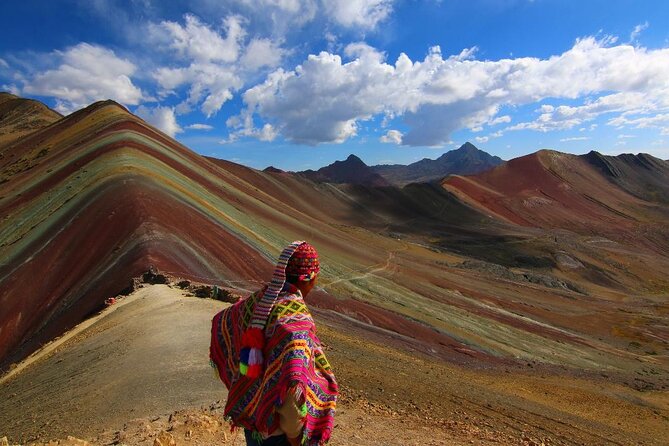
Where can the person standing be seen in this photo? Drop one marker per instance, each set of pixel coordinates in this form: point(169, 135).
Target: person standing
point(281, 387)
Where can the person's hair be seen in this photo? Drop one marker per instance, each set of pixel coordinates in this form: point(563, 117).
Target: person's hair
point(292, 278)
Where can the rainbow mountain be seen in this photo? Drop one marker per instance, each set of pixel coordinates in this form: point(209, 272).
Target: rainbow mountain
point(463, 270)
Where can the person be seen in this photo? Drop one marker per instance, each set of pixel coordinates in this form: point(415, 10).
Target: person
point(281, 387)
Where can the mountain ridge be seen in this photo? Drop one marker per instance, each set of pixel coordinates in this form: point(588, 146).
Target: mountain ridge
point(351, 170)
point(465, 160)
point(20, 116)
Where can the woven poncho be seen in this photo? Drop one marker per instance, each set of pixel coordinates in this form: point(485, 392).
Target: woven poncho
point(292, 357)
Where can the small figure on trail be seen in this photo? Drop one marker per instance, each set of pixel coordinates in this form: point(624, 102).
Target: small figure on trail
point(281, 388)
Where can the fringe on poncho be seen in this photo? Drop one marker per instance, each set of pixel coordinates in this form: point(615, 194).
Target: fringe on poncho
point(293, 357)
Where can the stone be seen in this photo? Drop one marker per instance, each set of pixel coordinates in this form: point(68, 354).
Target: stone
point(73, 441)
point(164, 439)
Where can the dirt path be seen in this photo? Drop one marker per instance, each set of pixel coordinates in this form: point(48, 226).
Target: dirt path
point(374, 270)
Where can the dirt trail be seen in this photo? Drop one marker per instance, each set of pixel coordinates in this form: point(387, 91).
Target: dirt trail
point(374, 270)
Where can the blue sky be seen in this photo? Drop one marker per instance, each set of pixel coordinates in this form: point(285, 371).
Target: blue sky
point(300, 83)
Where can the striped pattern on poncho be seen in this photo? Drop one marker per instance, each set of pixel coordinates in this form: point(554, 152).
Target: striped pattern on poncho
point(293, 357)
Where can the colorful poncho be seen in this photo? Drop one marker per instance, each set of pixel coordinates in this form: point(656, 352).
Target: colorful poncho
point(293, 357)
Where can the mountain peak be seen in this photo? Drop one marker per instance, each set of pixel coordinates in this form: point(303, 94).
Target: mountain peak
point(468, 147)
point(465, 160)
point(20, 116)
point(272, 169)
point(354, 159)
point(352, 170)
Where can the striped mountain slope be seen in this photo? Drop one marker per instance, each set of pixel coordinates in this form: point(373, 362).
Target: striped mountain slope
point(98, 197)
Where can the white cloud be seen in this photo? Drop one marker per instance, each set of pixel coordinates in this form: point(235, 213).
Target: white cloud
point(364, 14)
point(623, 136)
point(500, 120)
point(361, 13)
point(261, 53)
point(575, 138)
point(3, 63)
point(636, 32)
point(198, 126)
point(566, 117)
point(216, 61)
point(659, 121)
point(85, 74)
point(198, 42)
point(325, 99)
point(161, 117)
point(267, 133)
point(11, 88)
point(392, 137)
point(242, 126)
point(283, 14)
point(482, 139)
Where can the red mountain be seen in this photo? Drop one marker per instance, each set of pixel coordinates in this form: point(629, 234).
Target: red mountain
point(553, 190)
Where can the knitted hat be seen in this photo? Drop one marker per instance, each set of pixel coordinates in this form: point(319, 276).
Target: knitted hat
point(305, 266)
point(303, 263)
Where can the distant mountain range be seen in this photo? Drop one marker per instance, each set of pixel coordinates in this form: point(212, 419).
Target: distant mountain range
point(464, 161)
point(352, 170)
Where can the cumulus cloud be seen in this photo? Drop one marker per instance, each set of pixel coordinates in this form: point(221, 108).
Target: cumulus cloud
point(362, 13)
point(325, 98)
point(198, 126)
point(199, 42)
point(575, 138)
point(482, 139)
point(283, 14)
point(261, 53)
point(162, 118)
point(84, 74)
point(215, 61)
point(392, 137)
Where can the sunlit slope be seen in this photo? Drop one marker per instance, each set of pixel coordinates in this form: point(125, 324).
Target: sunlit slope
point(110, 198)
point(19, 117)
point(552, 190)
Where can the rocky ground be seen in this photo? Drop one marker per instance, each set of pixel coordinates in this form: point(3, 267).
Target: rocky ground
point(138, 374)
